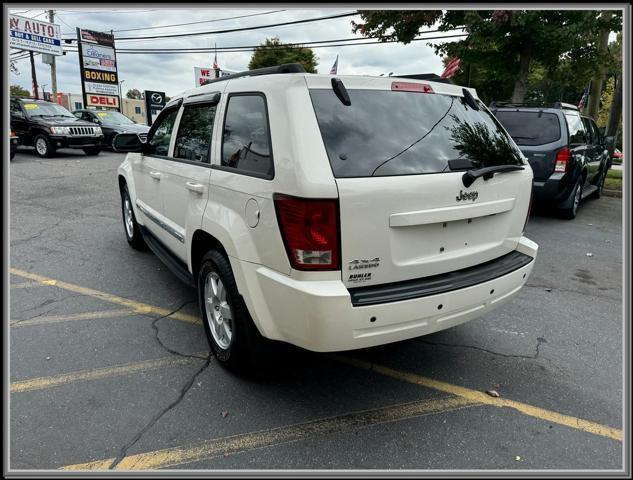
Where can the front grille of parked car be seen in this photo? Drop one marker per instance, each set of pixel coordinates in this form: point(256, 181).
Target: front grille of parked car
point(142, 136)
point(82, 130)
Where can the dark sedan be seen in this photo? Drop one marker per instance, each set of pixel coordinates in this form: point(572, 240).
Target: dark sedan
point(112, 123)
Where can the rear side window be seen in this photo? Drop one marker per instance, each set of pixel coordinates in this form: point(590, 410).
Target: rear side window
point(577, 134)
point(160, 135)
point(386, 133)
point(246, 136)
point(530, 128)
point(194, 133)
point(588, 130)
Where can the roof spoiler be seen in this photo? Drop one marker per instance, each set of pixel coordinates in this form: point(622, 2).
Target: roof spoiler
point(560, 105)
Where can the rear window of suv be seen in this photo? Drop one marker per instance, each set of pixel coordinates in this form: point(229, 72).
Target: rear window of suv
point(530, 128)
point(388, 133)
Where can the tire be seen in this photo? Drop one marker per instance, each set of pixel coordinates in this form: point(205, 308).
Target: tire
point(235, 341)
point(598, 193)
point(570, 212)
point(92, 151)
point(132, 230)
point(43, 146)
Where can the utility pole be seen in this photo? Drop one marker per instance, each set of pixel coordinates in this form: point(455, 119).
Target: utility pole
point(34, 75)
point(51, 18)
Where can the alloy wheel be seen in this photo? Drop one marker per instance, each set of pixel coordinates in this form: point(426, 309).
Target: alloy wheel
point(218, 310)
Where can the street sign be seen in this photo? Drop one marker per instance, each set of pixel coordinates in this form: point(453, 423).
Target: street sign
point(34, 35)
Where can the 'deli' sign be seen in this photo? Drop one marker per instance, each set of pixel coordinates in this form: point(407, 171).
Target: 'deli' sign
point(97, 63)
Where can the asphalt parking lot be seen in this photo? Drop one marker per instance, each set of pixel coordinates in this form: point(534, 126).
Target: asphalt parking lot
point(110, 367)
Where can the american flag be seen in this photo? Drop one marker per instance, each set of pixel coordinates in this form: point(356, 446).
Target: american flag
point(215, 61)
point(334, 68)
point(452, 68)
point(584, 98)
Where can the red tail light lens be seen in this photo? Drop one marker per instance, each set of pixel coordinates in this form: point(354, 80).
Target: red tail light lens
point(563, 159)
point(310, 230)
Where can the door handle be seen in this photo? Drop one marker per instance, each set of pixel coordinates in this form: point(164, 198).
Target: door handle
point(155, 175)
point(195, 187)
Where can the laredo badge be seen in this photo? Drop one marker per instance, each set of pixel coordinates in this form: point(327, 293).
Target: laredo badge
point(359, 266)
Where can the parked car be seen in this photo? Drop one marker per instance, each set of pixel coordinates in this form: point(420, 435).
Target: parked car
point(48, 126)
point(112, 123)
point(15, 141)
point(330, 212)
point(617, 156)
point(566, 150)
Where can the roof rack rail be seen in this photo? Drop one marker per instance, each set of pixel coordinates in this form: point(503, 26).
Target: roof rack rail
point(561, 105)
point(426, 76)
point(285, 68)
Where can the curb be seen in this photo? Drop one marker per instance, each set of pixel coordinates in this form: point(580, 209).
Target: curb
point(612, 193)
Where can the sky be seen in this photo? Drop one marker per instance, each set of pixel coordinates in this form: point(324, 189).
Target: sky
point(174, 73)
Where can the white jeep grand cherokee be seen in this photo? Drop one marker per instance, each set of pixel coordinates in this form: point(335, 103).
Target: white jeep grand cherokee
point(330, 212)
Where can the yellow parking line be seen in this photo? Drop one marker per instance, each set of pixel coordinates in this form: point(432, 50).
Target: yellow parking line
point(276, 436)
point(70, 318)
point(138, 307)
point(480, 397)
point(99, 373)
point(27, 285)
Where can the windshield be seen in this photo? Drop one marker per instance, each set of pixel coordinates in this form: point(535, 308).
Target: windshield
point(530, 128)
point(114, 118)
point(387, 133)
point(42, 109)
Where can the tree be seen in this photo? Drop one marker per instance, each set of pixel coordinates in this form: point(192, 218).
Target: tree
point(273, 52)
point(502, 46)
point(18, 91)
point(134, 93)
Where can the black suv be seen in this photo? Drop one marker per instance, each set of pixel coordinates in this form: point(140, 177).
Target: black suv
point(48, 126)
point(566, 150)
point(112, 123)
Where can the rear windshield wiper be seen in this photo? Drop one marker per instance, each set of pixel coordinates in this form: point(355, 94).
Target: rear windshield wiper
point(487, 172)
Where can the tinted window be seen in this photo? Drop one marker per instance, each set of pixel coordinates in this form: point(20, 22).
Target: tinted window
point(530, 128)
point(246, 140)
point(577, 134)
point(403, 133)
point(160, 135)
point(194, 133)
point(597, 135)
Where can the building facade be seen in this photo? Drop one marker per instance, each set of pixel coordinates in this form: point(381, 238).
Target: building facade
point(130, 107)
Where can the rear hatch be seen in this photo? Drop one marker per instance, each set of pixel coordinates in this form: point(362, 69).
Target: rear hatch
point(404, 213)
point(538, 135)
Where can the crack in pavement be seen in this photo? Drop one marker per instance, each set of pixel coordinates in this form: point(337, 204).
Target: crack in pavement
point(537, 351)
point(591, 293)
point(123, 452)
point(36, 316)
point(160, 342)
point(39, 234)
point(53, 300)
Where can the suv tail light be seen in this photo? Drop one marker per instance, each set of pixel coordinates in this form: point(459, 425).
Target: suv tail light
point(563, 159)
point(310, 230)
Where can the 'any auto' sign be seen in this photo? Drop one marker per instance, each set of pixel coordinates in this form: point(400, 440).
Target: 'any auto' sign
point(34, 35)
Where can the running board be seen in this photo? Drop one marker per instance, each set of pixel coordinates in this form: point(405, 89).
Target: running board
point(588, 190)
point(177, 266)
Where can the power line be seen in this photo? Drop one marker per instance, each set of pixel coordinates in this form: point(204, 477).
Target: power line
point(195, 23)
point(252, 48)
point(230, 30)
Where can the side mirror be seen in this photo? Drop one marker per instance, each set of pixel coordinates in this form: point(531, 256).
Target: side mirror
point(17, 114)
point(127, 142)
point(97, 121)
point(609, 144)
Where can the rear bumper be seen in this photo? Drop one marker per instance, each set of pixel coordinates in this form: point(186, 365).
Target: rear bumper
point(320, 316)
point(555, 189)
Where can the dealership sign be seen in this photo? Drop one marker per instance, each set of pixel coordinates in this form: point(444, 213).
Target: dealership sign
point(154, 103)
point(109, 101)
point(204, 74)
point(34, 35)
point(97, 62)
